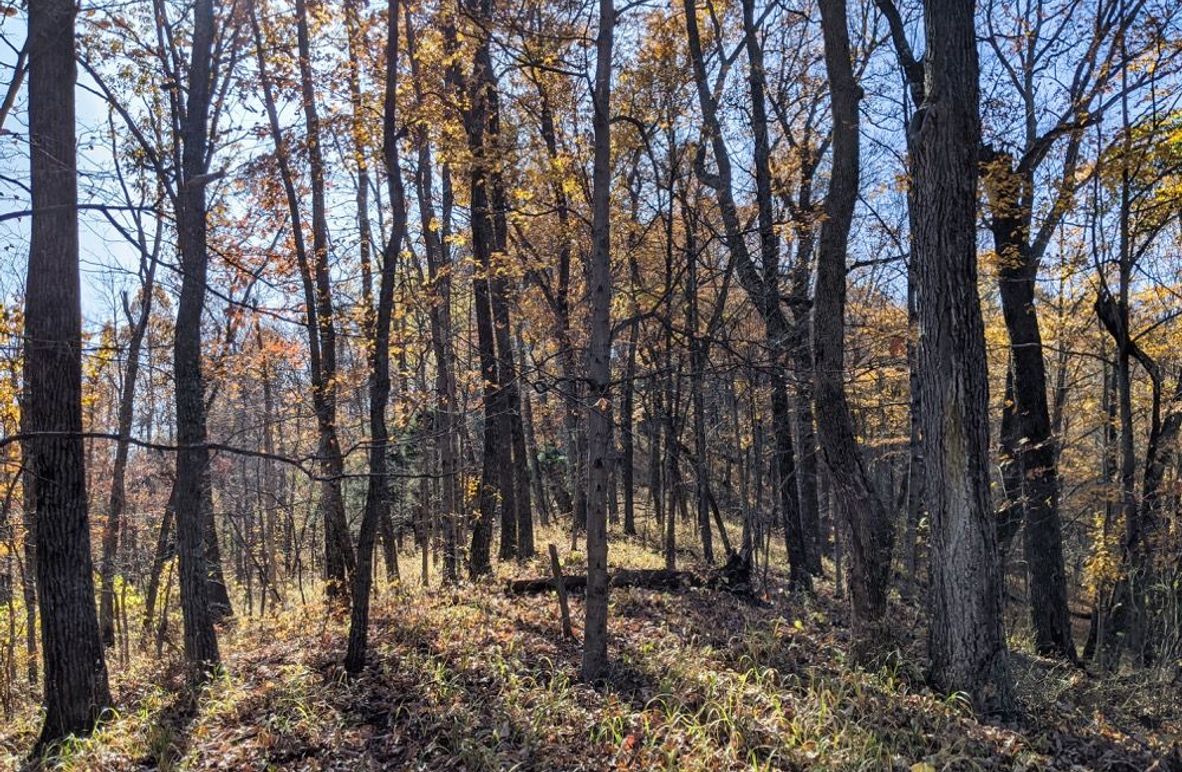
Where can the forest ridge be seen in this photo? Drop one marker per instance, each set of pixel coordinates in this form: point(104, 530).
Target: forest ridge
point(494, 384)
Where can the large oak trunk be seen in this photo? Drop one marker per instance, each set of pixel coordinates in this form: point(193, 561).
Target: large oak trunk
point(76, 689)
point(966, 640)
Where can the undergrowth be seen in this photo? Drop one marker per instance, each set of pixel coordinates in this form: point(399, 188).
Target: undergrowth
point(470, 678)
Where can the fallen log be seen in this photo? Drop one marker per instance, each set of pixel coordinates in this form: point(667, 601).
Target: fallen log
point(653, 579)
point(734, 577)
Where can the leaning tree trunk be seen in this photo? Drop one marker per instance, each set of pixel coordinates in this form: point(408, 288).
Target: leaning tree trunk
point(76, 690)
point(119, 469)
point(318, 308)
point(763, 290)
point(966, 639)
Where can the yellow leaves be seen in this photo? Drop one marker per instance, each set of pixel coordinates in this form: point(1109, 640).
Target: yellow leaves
point(1102, 567)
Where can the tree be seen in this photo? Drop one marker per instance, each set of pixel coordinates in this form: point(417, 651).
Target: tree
point(599, 354)
point(339, 559)
point(866, 521)
point(377, 490)
point(762, 287)
point(76, 690)
point(139, 326)
point(192, 464)
point(966, 641)
point(438, 251)
point(480, 115)
point(1021, 236)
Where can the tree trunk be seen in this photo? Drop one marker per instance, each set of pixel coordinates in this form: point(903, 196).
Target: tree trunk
point(473, 97)
point(698, 355)
point(627, 409)
point(76, 690)
point(966, 639)
point(377, 491)
point(439, 269)
point(867, 523)
point(762, 288)
point(318, 322)
point(599, 356)
point(192, 474)
point(1009, 516)
point(570, 384)
point(1034, 445)
point(338, 548)
point(915, 472)
point(118, 498)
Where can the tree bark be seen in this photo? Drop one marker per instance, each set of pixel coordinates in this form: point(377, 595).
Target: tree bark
point(599, 356)
point(76, 690)
point(377, 491)
point(966, 640)
point(867, 523)
point(192, 474)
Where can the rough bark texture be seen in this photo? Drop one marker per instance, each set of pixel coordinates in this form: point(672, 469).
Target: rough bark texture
point(1033, 448)
point(966, 640)
point(866, 519)
point(192, 476)
point(76, 689)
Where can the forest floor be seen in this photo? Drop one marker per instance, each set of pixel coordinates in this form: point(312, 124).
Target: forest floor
point(471, 678)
